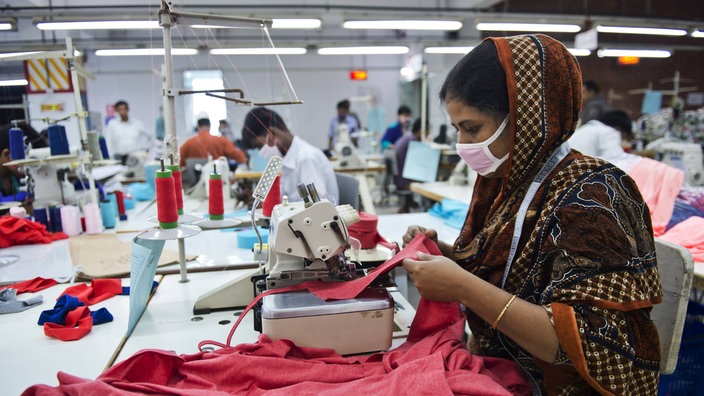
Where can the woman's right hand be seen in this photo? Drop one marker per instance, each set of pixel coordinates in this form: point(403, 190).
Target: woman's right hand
point(415, 230)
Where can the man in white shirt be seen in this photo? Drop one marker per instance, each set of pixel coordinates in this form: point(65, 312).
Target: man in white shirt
point(602, 138)
point(304, 163)
point(126, 135)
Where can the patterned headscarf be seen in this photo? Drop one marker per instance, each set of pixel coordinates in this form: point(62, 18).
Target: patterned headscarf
point(586, 250)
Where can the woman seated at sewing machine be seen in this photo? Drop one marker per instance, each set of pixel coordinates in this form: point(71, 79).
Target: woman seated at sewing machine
point(556, 261)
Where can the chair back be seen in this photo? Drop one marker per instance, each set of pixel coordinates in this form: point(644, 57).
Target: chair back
point(676, 268)
point(349, 190)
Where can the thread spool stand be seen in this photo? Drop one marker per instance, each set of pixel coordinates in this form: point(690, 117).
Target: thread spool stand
point(216, 219)
point(167, 230)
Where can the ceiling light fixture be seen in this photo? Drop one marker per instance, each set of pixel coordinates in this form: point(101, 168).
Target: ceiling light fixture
point(697, 33)
point(258, 51)
point(302, 23)
point(640, 53)
point(641, 30)
point(579, 51)
point(10, 54)
point(97, 25)
point(277, 23)
point(404, 25)
point(380, 50)
point(13, 83)
point(447, 50)
point(528, 27)
point(144, 52)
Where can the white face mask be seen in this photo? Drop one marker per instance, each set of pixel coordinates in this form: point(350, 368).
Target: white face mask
point(267, 152)
point(479, 157)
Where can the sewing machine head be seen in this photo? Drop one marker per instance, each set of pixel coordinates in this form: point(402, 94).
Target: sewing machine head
point(345, 148)
point(307, 241)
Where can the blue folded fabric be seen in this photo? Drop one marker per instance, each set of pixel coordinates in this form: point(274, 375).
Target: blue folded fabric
point(682, 211)
point(449, 208)
point(142, 191)
point(68, 303)
point(101, 316)
point(126, 289)
point(63, 306)
point(454, 212)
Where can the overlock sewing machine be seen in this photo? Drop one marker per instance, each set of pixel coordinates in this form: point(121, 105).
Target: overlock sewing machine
point(307, 241)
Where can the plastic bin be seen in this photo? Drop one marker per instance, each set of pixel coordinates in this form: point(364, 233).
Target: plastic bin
point(688, 378)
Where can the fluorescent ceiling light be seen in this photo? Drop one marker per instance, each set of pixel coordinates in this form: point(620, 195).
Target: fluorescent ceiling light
point(404, 25)
point(528, 27)
point(144, 51)
point(698, 34)
point(380, 50)
point(633, 52)
point(93, 25)
point(13, 83)
point(447, 50)
point(276, 24)
point(284, 23)
point(641, 30)
point(258, 51)
point(9, 54)
point(579, 51)
point(6, 26)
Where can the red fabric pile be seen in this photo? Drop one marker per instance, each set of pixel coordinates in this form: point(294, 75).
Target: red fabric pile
point(434, 361)
point(15, 231)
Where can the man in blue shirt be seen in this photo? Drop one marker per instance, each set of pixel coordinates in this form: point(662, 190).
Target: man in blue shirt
point(343, 117)
point(397, 129)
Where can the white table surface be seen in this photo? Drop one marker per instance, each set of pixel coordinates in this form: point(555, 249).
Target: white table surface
point(34, 358)
point(443, 189)
point(169, 324)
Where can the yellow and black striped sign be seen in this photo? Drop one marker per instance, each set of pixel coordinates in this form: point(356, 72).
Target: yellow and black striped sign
point(47, 74)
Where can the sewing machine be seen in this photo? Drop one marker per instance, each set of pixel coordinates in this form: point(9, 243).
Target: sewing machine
point(45, 175)
point(345, 149)
point(307, 241)
point(202, 188)
point(685, 156)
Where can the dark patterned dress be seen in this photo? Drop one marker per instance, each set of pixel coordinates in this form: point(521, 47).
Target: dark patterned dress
point(586, 251)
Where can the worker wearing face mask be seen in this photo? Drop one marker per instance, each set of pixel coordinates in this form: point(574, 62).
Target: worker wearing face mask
point(265, 130)
point(546, 228)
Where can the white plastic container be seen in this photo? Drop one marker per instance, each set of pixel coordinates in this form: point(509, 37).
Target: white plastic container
point(359, 325)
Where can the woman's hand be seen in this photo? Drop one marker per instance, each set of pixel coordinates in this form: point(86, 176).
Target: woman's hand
point(437, 278)
point(415, 230)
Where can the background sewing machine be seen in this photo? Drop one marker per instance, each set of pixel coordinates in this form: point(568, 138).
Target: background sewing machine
point(47, 177)
point(197, 169)
point(682, 155)
point(307, 241)
point(345, 149)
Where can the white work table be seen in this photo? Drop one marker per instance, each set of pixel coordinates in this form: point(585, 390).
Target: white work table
point(34, 358)
point(168, 322)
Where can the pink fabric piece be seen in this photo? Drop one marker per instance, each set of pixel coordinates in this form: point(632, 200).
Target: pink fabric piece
point(690, 234)
point(659, 185)
point(433, 361)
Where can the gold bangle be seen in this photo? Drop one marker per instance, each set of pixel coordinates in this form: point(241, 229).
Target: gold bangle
point(503, 311)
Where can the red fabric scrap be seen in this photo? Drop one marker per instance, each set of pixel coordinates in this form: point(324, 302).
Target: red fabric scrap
point(31, 285)
point(78, 323)
point(15, 231)
point(99, 290)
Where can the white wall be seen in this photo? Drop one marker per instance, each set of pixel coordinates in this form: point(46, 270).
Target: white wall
point(319, 81)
